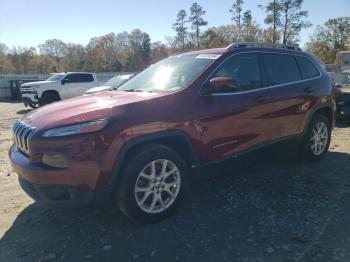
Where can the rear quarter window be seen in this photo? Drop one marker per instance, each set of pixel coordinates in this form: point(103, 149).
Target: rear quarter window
point(281, 69)
point(308, 69)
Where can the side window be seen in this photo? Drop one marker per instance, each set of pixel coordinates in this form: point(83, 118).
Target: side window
point(281, 69)
point(86, 78)
point(308, 69)
point(244, 69)
point(71, 78)
point(79, 78)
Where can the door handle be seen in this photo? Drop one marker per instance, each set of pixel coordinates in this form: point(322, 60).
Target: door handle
point(262, 99)
point(309, 90)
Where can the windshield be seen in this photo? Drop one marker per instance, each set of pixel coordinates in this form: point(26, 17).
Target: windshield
point(343, 79)
point(170, 74)
point(117, 80)
point(55, 77)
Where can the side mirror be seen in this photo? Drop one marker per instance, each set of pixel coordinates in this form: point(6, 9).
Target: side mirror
point(223, 84)
point(63, 81)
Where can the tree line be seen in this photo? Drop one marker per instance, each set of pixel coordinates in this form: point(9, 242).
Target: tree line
point(109, 53)
point(133, 51)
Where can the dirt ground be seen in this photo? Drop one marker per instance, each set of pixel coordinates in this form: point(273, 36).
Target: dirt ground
point(262, 207)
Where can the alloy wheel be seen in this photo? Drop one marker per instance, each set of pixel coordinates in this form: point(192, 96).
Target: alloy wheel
point(319, 138)
point(157, 186)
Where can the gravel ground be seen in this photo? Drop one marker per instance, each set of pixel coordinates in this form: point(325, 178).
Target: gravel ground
point(262, 207)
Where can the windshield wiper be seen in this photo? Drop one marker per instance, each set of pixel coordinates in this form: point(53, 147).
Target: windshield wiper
point(143, 90)
point(137, 90)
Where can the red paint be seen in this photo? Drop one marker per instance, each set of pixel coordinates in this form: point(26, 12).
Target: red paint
point(218, 126)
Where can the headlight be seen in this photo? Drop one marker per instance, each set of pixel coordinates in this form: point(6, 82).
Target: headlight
point(82, 128)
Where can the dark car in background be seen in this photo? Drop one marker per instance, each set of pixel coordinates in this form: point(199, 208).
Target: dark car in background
point(342, 84)
point(140, 145)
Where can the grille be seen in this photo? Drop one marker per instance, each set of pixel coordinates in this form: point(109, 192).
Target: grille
point(22, 133)
point(26, 89)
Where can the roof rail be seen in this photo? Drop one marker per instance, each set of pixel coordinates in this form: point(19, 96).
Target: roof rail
point(263, 44)
point(178, 53)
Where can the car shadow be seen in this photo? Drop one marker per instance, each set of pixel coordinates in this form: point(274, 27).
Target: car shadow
point(342, 123)
point(23, 111)
point(264, 206)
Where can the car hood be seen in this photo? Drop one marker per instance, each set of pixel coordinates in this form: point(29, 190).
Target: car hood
point(98, 89)
point(38, 83)
point(102, 105)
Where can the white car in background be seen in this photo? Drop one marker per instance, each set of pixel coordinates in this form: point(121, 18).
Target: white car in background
point(111, 84)
point(57, 87)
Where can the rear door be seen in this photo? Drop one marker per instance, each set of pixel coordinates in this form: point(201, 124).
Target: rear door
point(86, 82)
point(235, 121)
point(289, 94)
point(76, 84)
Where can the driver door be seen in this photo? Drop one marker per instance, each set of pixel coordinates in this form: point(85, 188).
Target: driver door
point(235, 119)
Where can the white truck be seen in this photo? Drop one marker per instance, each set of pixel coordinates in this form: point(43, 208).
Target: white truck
point(57, 87)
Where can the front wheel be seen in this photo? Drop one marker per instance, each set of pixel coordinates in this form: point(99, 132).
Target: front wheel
point(153, 183)
point(49, 97)
point(33, 106)
point(317, 138)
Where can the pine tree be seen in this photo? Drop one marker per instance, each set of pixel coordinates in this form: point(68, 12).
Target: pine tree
point(180, 28)
point(197, 20)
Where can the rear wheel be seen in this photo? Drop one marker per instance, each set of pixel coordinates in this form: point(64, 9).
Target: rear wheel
point(49, 97)
point(153, 183)
point(317, 138)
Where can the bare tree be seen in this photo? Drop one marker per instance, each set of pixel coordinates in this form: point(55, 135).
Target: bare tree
point(54, 48)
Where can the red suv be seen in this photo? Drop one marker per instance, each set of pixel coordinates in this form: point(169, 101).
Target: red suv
point(138, 145)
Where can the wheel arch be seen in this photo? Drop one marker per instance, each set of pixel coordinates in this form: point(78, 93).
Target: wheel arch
point(50, 91)
point(177, 140)
point(324, 109)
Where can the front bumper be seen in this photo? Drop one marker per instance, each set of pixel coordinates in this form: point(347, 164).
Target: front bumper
point(49, 186)
point(56, 196)
point(30, 99)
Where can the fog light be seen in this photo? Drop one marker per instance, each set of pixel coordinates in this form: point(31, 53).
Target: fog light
point(54, 160)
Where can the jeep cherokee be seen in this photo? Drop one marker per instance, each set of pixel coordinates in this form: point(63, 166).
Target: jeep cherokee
point(138, 145)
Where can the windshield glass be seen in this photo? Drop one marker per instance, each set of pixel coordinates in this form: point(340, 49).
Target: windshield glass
point(343, 79)
point(170, 74)
point(55, 77)
point(117, 80)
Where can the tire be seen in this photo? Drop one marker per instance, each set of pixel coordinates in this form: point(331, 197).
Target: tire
point(48, 98)
point(138, 205)
point(33, 106)
point(318, 132)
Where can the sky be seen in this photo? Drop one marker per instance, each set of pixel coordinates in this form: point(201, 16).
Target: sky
point(31, 22)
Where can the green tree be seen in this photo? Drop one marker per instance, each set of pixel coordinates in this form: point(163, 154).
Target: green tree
point(158, 51)
point(332, 37)
point(180, 27)
point(236, 12)
point(292, 19)
point(146, 49)
point(250, 28)
point(286, 19)
point(197, 20)
point(273, 18)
